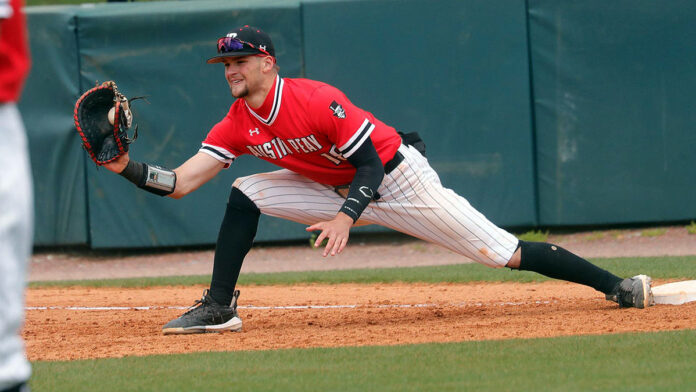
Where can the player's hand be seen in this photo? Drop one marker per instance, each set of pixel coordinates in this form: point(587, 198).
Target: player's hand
point(336, 231)
point(118, 164)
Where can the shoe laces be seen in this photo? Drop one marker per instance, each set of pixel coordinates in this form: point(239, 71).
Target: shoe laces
point(204, 301)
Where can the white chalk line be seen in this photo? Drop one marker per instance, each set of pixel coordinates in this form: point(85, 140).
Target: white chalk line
point(295, 307)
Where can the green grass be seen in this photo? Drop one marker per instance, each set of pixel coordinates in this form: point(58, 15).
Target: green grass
point(534, 236)
point(595, 235)
point(653, 232)
point(657, 267)
point(617, 234)
point(636, 362)
point(691, 228)
point(622, 362)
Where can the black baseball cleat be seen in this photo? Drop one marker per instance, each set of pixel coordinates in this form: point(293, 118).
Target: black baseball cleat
point(633, 292)
point(206, 315)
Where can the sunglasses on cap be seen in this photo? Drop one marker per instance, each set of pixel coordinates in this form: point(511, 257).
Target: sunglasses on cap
point(230, 45)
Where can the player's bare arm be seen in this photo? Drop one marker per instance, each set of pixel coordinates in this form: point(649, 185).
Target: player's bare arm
point(195, 172)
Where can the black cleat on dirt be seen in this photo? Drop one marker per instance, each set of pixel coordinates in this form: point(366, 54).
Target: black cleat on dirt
point(206, 315)
point(635, 292)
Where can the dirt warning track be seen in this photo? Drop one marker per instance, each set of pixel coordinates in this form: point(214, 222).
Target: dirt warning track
point(82, 323)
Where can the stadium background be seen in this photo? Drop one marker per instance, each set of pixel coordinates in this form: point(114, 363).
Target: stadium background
point(542, 113)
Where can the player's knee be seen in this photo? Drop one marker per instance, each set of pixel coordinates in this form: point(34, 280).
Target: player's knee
point(239, 183)
point(241, 201)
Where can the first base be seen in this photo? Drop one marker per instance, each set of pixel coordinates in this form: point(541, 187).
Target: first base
point(676, 293)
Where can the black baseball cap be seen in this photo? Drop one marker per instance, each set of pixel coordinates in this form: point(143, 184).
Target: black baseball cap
point(243, 41)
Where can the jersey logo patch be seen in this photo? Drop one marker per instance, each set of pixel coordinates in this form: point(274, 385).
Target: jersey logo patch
point(254, 131)
point(337, 110)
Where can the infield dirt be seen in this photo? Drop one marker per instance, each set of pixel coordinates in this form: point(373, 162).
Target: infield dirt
point(383, 315)
point(59, 327)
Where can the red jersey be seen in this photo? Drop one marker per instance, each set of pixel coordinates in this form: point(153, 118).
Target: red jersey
point(14, 52)
point(305, 126)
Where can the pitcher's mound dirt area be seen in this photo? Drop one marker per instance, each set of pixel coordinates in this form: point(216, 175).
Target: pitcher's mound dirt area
point(68, 323)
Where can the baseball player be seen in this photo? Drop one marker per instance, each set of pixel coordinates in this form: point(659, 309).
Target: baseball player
point(341, 167)
point(16, 202)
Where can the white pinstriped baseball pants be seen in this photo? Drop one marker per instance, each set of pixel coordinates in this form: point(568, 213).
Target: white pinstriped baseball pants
point(413, 201)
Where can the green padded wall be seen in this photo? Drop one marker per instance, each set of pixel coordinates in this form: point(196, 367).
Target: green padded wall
point(47, 109)
point(454, 71)
point(614, 92)
point(609, 141)
point(159, 49)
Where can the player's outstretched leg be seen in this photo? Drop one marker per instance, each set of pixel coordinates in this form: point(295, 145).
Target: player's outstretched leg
point(555, 262)
point(206, 315)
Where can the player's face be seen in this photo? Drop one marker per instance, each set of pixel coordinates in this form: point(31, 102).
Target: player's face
point(243, 74)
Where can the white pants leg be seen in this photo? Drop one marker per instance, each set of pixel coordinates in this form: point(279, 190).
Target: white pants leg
point(413, 201)
point(16, 217)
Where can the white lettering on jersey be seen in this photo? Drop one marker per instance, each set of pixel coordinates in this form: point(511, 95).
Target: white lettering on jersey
point(255, 151)
point(268, 149)
point(301, 145)
point(308, 144)
point(278, 148)
point(283, 147)
point(293, 144)
point(313, 140)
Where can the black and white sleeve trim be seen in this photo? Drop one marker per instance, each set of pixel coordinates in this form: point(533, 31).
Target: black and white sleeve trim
point(357, 139)
point(218, 153)
point(275, 109)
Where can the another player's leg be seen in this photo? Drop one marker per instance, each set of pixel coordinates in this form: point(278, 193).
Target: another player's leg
point(16, 221)
point(216, 311)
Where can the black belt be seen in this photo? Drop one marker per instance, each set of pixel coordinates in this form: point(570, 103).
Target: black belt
point(393, 163)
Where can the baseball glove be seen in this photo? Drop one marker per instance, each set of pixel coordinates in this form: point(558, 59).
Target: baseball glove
point(103, 117)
